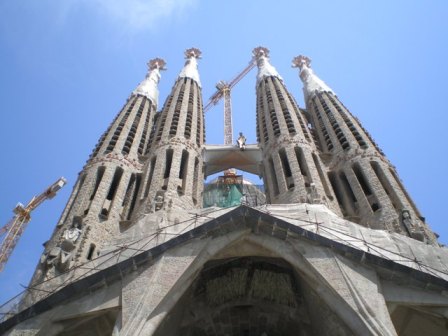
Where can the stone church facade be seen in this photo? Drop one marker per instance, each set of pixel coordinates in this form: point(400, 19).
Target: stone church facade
point(338, 248)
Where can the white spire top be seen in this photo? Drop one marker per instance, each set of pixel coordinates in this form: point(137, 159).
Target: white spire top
point(265, 69)
point(190, 69)
point(148, 86)
point(311, 83)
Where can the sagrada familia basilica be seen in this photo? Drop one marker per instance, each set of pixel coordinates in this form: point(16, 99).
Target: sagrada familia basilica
point(331, 244)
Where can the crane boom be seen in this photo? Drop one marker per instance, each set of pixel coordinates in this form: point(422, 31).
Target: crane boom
point(243, 73)
point(13, 230)
point(222, 85)
point(223, 90)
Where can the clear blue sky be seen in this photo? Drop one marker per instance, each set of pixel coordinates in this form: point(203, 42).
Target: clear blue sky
point(67, 67)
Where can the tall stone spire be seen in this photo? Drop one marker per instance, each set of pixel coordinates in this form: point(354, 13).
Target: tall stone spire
point(265, 69)
point(292, 167)
point(149, 86)
point(311, 83)
point(106, 190)
point(366, 184)
point(190, 70)
point(173, 173)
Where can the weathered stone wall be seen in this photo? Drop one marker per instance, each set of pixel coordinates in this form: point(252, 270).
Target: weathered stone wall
point(246, 270)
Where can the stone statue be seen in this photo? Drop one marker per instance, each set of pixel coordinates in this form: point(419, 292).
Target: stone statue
point(413, 230)
point(313, 194)
point(73, 233)
point(70, 236)
point(159, 201)
point(407, 220)
point(241, 141)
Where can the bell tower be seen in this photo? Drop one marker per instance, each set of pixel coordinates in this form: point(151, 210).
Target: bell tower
point(173, 173)
point(293, 171)
point(106, 190)
point(366, 184)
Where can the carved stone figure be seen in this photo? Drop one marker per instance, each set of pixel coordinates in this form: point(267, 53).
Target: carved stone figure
point(412, 229)
point(407, 220)
point(70, 236)
point(241, 141)
point(313, 194)
point(159, 201)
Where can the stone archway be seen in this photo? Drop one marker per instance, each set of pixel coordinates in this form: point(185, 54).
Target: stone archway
point(247, 296)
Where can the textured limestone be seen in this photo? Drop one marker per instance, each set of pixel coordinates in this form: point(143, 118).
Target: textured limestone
point(354, 271)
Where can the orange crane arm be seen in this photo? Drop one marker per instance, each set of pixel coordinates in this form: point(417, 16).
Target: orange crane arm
point(47, 194)
point(243, 73)
point(15, 227)
point(222, 86)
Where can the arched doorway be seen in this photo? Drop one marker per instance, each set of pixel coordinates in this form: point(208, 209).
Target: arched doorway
point(248, 296)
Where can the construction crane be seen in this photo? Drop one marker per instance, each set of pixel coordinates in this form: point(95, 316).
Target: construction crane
point(13, 230)
point(223, 90)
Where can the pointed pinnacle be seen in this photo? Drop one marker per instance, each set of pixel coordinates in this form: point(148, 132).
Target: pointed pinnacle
point(300, 61)
point(156, 63)
point(193, 52)
point(260, 51)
